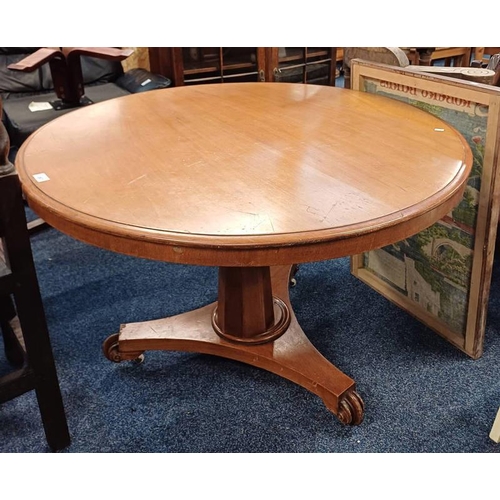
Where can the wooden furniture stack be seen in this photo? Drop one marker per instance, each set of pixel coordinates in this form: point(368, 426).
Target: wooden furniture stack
point(396, 56)
point(484, 53)
point(425, 56)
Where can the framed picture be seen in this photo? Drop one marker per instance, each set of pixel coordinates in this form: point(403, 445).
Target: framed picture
point(442, 275)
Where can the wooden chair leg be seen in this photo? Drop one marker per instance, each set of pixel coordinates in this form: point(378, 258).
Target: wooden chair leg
point(39, 371)
point(39, 353)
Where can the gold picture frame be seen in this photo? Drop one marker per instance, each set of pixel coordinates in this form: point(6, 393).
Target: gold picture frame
point(442, 275)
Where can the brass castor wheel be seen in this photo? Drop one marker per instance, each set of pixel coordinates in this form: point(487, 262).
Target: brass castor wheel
point(293, 272)
point(139, 360)
point(351, 409)
point(110, 348)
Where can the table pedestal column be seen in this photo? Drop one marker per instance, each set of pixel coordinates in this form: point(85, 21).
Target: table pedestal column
point(246, 310)
point(252, 322)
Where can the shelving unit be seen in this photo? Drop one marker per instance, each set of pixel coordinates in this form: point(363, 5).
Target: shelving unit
point(302, 65)
point(198, 65)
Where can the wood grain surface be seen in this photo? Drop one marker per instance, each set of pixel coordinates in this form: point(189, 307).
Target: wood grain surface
point(244, 174)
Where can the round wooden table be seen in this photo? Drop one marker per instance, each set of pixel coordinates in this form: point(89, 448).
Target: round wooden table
point(252, 178)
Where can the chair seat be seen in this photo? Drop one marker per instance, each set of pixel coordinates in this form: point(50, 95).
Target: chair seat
point(20, 122)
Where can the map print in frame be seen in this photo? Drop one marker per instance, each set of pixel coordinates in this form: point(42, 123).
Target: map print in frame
point(442, 275)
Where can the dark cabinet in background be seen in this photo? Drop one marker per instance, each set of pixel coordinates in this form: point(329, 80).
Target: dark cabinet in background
point(198, 65)
point(301, 65)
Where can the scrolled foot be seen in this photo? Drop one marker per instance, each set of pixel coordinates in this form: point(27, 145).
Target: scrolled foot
point(110, 348)
point(351, 409)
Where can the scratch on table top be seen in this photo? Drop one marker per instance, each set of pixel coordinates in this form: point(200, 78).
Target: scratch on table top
point(194, 163)
point(247, 213)
point(138, 178)
point(329, 212)
point(268, 219)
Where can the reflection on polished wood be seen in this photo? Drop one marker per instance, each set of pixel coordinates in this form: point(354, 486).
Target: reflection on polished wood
point(252, 178)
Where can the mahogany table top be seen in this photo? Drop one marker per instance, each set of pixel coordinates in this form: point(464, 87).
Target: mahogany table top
point(244, 173)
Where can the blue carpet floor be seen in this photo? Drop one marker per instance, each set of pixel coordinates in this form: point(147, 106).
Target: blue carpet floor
point(421, 394)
